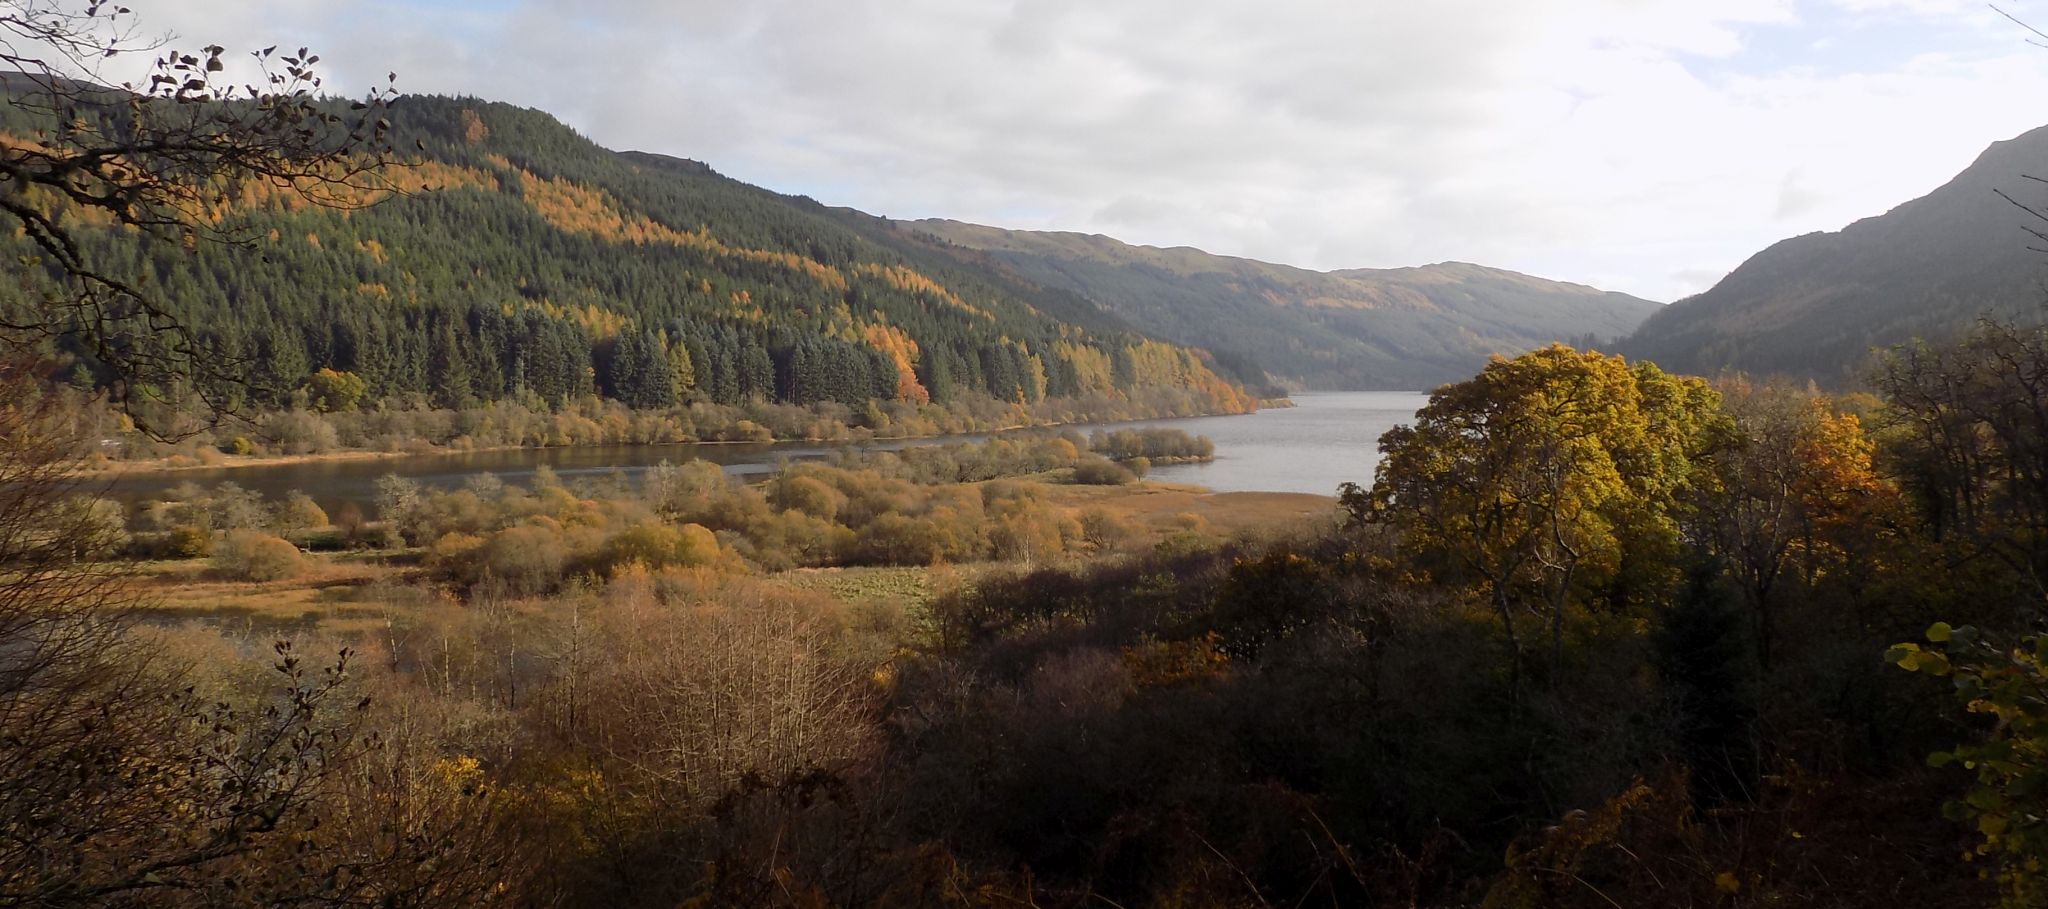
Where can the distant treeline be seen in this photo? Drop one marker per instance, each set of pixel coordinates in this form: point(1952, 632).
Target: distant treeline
point(1157, 444)
point(416, 426)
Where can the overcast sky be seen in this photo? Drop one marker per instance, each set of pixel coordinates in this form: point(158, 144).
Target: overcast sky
point(1647, 146)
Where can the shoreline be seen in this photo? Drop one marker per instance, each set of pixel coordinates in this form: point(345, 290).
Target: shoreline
point(116, 469)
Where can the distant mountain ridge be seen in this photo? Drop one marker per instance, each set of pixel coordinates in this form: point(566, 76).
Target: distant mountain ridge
point(522, 259)
point(1394, 328)
point(1814, 306)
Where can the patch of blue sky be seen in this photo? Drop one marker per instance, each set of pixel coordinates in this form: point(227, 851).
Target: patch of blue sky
point(1825, 41)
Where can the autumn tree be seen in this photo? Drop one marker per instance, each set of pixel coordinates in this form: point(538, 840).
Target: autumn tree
point(1530, 482)
point(336, 391)
point(1787, 498)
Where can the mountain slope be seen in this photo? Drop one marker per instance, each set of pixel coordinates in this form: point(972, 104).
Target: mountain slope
point(518, 259)
point(1814, 306)
point(1360, 328)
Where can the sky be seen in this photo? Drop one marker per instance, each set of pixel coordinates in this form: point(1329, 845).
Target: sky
point(1646, 146)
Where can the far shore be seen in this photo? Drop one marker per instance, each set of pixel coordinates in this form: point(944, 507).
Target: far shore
point(181, 463)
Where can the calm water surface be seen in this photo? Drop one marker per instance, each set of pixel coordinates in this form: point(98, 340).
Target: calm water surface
point(1328, 438)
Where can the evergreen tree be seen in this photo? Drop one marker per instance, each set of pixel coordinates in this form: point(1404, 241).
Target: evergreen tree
point(757, 372)
point(281, 366)
point(450, 370)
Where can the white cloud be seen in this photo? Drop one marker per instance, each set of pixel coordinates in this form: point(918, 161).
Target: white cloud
point(1643, 145)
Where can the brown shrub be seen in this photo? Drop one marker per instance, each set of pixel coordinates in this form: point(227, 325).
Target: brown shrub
point(528, 559)
point(248, 555)
point(189, 541)
point(455, 555)
point(1104, 530)
point(807, 494)
point(1101, 472)
point(656, 545)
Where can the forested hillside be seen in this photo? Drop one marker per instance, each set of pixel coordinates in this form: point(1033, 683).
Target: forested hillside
point(1595, 636)
point(514, 259)
point(1814, 306)
point(1396, 328)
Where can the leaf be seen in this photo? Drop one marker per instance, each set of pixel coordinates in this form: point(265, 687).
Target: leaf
point(1939, 632)
point(1932, 663)
point(1984, 799)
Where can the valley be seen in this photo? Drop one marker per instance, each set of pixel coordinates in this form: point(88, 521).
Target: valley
point(413, 499)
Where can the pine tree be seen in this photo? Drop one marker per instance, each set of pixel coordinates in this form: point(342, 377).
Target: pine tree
point(281, 365)
point(757, 372)
point(725, 387)
point(624, 366)
point(645, 380)
point(449, 370)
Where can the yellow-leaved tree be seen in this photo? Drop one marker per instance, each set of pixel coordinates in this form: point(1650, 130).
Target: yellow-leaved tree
point(1542, 482)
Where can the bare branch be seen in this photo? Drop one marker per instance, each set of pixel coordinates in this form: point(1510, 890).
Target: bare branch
point(166, 158)
point(2023, 24)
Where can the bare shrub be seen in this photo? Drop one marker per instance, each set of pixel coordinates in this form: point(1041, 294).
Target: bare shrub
point(528, 559)
point(1104, 530)
point(701, 694)
point(299, 432)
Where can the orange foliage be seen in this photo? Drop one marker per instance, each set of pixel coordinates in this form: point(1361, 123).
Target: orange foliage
point(1838, 487)
point(1092, 368)
point(580, 209)
point(474, 131)
point(910, 282)
point(407, 178)
point(600, 323)
point(902, 351)
point(1156, 364)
